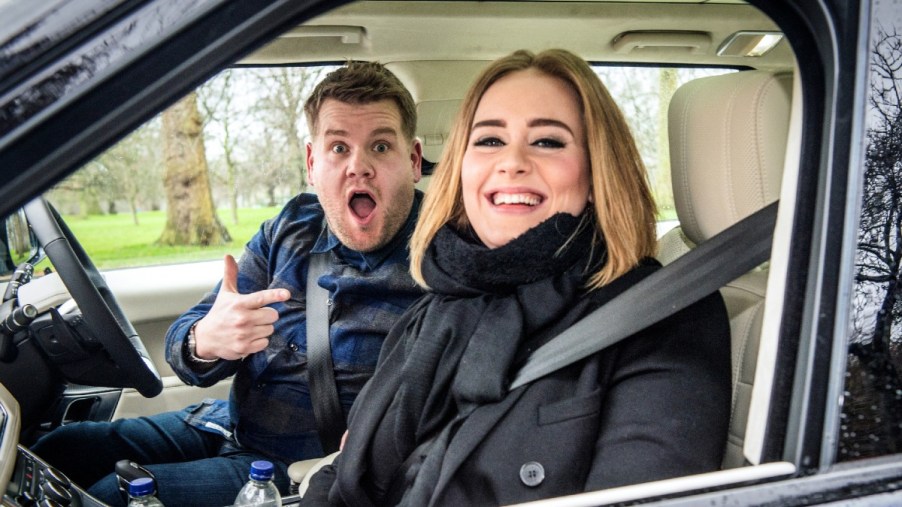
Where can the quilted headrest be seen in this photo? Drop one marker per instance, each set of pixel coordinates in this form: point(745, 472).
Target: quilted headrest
point(728, 138)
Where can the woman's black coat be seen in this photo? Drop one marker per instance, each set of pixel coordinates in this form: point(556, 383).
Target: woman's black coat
point(654, 406)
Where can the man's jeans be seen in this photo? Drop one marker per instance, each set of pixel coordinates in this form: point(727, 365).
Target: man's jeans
point(191, 466)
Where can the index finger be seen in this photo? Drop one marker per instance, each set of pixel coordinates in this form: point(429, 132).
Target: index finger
point(262, 298)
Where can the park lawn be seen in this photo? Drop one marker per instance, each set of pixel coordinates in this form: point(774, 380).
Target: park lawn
point(114, 241)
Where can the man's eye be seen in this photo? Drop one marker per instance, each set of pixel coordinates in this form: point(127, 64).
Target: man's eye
point(488, 141)
point(547, 142)
point(380, 147)
point(339, 148)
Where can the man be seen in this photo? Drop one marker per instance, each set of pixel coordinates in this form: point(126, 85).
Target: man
point(363, 162)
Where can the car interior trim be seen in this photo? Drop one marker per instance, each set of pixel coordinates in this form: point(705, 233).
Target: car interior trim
point(845, 289)
point(9, 435)
point(759, 407)
point(670, 486)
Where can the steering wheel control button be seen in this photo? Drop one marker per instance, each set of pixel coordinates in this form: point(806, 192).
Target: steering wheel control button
point(532, 473)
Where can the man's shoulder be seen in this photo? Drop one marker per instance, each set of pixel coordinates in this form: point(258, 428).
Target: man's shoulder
point(301, 208)
point(305, 202)
point(302, 216)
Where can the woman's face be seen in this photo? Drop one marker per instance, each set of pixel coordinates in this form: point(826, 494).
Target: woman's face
point(526, 157)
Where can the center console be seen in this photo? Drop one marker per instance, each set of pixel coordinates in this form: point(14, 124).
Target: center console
point(35, 483)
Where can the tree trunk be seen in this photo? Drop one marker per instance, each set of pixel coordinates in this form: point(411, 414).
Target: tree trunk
point(133, 206)
point(190, 215)
point(89, 204)
point(231, 173)
point(667, 85)
point(271, 194)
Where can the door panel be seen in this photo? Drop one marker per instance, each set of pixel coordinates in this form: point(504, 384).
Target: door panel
point(152, 298)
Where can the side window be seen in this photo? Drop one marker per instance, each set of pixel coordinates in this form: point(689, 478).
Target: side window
point(643, 94)
point(871, 422)
point(196, 181)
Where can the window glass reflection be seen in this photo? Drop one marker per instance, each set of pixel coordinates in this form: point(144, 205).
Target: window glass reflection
point(872, 411)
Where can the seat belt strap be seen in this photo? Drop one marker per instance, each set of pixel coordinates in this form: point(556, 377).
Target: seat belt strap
point(688, 279)
point(330, 421)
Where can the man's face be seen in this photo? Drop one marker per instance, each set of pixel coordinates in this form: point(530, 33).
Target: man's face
point(364, 171)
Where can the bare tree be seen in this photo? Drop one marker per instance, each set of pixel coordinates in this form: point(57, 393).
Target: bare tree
point(874, 386)
point(282, 106)
point(80, 192)
point(663, 188)
point(190, 216)
point(134, 168)
point(217, 101)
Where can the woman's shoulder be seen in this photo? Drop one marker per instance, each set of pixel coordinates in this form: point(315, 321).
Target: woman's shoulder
point(710, 308)
point(643, 269)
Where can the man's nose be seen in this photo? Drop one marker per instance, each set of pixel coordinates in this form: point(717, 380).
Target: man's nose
point(360, 165)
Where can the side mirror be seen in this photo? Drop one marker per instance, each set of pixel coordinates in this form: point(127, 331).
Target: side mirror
point(18, 243)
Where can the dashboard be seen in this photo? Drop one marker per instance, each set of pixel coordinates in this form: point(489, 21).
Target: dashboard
point(25, 480)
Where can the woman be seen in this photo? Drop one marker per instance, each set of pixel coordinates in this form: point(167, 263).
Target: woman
point(539, 214)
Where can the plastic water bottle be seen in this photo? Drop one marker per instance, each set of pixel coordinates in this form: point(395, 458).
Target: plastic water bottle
point(259, 490)
point(141, 493)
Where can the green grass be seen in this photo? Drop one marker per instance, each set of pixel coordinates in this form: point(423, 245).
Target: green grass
point(114, 241)
point(666, 214)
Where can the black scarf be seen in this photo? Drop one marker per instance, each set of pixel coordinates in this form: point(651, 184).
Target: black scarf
point(458, 346)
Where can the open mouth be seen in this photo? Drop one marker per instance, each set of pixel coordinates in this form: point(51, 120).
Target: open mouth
point(362, 204)
point(527, 199)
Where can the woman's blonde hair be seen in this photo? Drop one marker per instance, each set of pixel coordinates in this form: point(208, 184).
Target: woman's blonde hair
point(620, 195)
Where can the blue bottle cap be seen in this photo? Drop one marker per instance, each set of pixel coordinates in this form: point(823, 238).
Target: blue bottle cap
point(141, 487)
point(261, 470)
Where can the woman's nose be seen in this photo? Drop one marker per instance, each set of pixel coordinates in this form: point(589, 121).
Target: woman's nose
point(513, 160)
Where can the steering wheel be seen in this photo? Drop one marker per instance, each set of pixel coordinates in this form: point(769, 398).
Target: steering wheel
point(101, 312)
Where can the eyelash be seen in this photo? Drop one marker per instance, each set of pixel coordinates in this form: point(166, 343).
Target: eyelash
point(545, 142)
point(344, 149)
point(488, 141)
point(550, 142)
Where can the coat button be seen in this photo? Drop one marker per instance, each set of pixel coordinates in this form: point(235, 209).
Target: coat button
point(532, 474)
point(293, 347)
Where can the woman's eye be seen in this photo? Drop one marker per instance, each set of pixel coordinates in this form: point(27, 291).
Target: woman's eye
point(339, 148)
point(380, 147)
point(549, 143)
point(488, 141)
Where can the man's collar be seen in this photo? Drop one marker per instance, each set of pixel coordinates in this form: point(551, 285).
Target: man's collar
point(326, 241)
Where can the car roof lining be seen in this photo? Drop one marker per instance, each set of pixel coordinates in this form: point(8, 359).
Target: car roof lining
point(393, 31)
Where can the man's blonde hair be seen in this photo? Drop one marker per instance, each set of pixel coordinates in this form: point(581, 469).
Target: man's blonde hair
point(621, 199)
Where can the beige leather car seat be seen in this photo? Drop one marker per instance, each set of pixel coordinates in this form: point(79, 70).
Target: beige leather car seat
point(728, 139)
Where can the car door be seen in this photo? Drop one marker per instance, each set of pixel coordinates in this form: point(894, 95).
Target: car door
point(817, 375)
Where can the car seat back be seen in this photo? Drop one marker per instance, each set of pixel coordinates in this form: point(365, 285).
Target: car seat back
point(728, 138)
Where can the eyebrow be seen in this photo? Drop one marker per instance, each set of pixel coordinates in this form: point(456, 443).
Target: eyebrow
point(537, 122)
point(377, 132)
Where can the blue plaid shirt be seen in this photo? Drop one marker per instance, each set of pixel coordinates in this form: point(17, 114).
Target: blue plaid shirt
point(269, 408)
